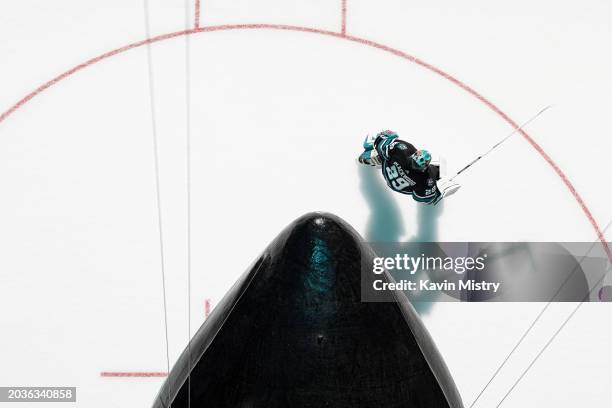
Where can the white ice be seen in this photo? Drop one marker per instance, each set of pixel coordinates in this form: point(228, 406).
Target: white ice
point(277, 121)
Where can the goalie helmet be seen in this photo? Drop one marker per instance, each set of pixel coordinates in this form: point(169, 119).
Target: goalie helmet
point(421, 159)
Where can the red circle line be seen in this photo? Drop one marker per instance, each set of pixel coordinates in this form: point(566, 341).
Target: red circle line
point(343, 36)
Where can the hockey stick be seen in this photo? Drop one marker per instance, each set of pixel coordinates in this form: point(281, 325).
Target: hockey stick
point(501, 141)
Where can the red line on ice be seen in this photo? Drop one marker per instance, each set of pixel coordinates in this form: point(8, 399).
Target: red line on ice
point(344, 17)
point(140, 374)
point(343, 36)
point(206, 308)
point(197, 14)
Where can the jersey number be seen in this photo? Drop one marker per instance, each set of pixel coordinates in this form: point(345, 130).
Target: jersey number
point(397, 183)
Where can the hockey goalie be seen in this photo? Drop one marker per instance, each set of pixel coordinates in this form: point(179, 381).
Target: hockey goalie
point(406, 169)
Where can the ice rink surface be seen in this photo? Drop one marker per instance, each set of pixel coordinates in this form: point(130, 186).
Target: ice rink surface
point(277, 119)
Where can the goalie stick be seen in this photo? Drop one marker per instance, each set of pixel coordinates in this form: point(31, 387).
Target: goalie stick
point(449, 187)
point(501, 141)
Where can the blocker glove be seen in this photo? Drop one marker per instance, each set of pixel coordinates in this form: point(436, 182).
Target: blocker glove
point(446, 188)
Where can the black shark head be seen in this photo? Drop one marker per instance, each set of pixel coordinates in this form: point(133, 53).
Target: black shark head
point(293, 332)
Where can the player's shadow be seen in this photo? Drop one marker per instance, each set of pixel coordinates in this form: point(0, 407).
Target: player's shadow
point(385, 222)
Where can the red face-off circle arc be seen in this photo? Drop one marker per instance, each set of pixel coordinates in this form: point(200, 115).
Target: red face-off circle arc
point(339, 35)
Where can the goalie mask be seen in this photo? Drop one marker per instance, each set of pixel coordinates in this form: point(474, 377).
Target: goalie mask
point(421, 159)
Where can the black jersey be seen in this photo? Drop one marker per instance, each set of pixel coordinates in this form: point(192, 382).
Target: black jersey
point(402, 177)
